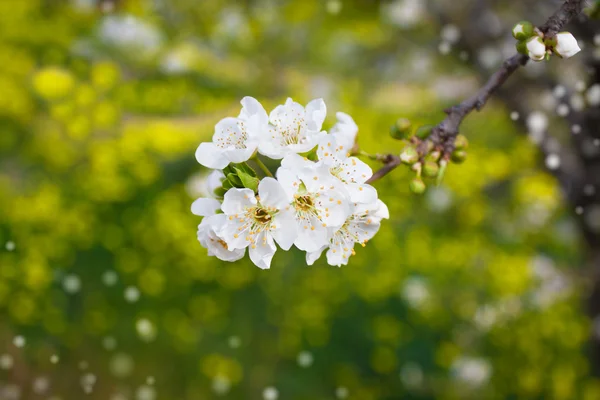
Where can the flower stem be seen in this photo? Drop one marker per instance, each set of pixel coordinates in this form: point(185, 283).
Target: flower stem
point(263, 167)
point(376, 157)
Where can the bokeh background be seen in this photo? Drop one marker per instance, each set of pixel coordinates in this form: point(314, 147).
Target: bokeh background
point(470, 291)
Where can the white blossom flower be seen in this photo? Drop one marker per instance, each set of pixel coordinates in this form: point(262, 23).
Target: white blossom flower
point(318, 200)
point(235, 139)
point(536, 49)
point(214, 180)
point(258, 221)
point(205, 206)
point(566, 45)
point(344, 131)
point(208, 236)
point(293, 128)
point(349, 170)
point(359, 227)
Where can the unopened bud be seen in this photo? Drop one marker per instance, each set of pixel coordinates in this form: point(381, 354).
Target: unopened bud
point(458, 156)
point(401, 129)
point(461, 142)
point(566, 45)
point(431, 169)
point(536, 49)
point(409, 155)
point(417, 186)
point(424, 131)
point(433, 156)
point(522, 30)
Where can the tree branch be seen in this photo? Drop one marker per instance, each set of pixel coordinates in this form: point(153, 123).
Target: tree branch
point(443, 135)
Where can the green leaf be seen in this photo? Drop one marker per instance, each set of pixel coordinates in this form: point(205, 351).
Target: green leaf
point(249, 181)
point(235, 180)
point(220, 192)
point(244, 168)
point(227, 185)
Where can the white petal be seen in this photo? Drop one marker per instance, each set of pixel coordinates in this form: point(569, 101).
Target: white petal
point(289, 181)
point(382, 210)
point(235, 232)
point(230, 255)
point(330, 152)
point(214, 180)
point(312, 235)
point(313, 256)
point(316, 111)
point(252, 109)
point(355, 171)
point(272, 194)
point(317, 177)
point(270, 147)
point(209, 238)
point(240, 155)
point(261, 253)
point(285, 231)
point(211, 156)
point(336, 256)
point(205, 206)
point(345, 130)
point(236, 200)
point(334, 207)
point(361, 193)
point(294, 161)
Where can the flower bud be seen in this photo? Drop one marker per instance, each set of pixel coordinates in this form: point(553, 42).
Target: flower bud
point(433, 156)
point(566, 45)
point(458, 156)
point(522, 47)
point(409, 155)
point(523, 30)
point(417, 186)
point(461, 142)
point(424, 131)
point(431, 169)
point(401, 129)
point(536, 49)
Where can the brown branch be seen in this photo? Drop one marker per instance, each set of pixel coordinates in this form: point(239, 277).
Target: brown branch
point(443, 135)
point(390, 162)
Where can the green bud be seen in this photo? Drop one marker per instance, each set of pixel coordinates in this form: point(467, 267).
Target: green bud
point(409, 155)
point(433, 156)
point(458, 156)
point(401, 129)
point(424, 131)
point(461, 142)
point(522, 47)
point(523, 30)
point(431, 169)
point(417, 186)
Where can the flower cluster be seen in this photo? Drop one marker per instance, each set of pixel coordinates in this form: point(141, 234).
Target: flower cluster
point(538, 47)
point(318, 199)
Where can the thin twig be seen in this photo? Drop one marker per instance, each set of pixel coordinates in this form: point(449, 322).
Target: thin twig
point(444, 134)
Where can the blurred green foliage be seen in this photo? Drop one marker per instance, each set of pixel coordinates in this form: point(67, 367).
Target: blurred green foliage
point(468, 292)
